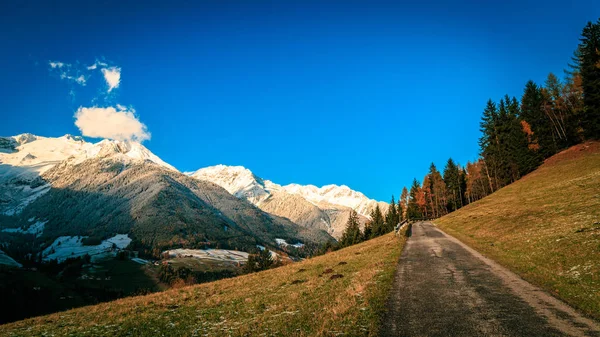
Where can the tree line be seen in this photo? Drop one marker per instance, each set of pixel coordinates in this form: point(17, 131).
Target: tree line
point(516, 137)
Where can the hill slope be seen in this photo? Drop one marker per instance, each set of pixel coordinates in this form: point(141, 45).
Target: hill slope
point(340, 293)
point(545, 227)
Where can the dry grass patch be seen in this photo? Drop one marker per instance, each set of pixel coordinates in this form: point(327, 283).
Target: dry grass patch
point(545, 227)
point(294, 300)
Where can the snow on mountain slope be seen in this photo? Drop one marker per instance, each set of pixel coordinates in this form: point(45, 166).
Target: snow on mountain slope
point(25, 158)
point(242, 183)
point(325, 208)
point(8, 261)
point(336, 195)
point(66, 247)
point(38, 154)
point(237, 180)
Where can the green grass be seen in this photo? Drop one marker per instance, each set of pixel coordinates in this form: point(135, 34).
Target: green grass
point(545, 227)
point(300, 299)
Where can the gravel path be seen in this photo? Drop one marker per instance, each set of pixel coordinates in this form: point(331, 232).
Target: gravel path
point(444, 288)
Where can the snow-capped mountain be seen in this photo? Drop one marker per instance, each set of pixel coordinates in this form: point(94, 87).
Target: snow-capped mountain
point(336, 195)
point(24, 158)
point(65, 187)
point(326, 208)
point(237, 180)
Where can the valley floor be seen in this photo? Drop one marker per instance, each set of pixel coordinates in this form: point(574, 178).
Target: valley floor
point(444, 288)
point(340, 293)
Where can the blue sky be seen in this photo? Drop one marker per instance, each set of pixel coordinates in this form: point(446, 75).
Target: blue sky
point(366, 94)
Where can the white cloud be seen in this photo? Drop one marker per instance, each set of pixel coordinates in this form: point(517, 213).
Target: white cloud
point(107, 122)
point(67, 72)
point(81, 80)
point(57, 64)
point(96, 64)
point(112, 76)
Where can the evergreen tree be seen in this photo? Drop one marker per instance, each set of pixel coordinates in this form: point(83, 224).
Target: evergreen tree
point(391, 218)
point(589, 48)
point(368, 231)
point(352, 234)
point(541, 139)
point(413, 211)
point(377, 223)
point(452, 181)
point(489, 142)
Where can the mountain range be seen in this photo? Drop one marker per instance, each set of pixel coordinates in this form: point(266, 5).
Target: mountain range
point(326, 208)
point(65, 187)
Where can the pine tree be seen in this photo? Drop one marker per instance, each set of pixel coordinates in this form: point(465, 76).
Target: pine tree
point(368, 231)
point(413, 211)
point(489, 143)
point(377, 223)
point(452, 181)
point(352, 234)
point(391, 218)
point(589, 48)
point(541, 139)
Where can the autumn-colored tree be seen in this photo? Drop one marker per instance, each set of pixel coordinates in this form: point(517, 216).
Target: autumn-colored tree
point(438, 192)
point(428, 209)
point(477, 185)
point(403, 202)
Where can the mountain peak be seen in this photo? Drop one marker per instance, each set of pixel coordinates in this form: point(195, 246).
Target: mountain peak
point(129, 149)
point(237, 180)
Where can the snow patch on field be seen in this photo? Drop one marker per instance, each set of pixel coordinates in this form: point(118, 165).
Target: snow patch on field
point(140, 261)
point(36, 228)
point(71, 246)
point(8, 261)
point(284, 243)
point(209, 254)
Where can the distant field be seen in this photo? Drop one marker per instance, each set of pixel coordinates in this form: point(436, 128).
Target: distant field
point(340, 293)
point(545, 227)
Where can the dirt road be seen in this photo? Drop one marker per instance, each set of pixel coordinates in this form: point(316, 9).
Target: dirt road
point(444, 288)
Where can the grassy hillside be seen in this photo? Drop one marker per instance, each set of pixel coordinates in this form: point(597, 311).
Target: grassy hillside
point(545, 227)
point(343, 292)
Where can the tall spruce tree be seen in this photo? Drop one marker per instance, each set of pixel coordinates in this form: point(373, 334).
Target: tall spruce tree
point(413, 211)
point(391, 218)
point(542, 139)
point(589, 48)
point(352, 234)
point(377, 222)
point(452, 181)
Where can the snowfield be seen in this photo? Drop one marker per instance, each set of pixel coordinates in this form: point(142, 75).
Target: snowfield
point(36, 228)
point(221, 255)
point(8, 261)
point(283, 243)
point(71, 246)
